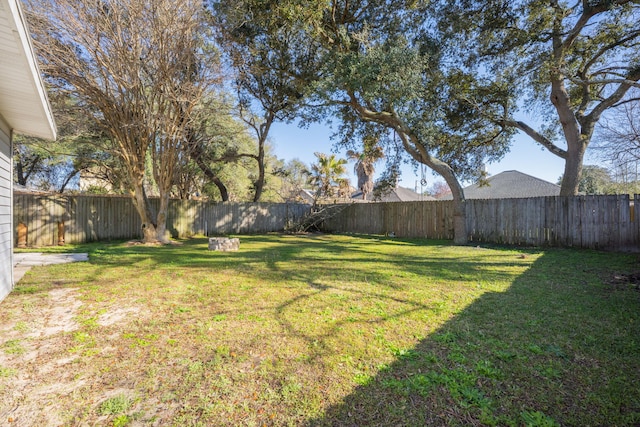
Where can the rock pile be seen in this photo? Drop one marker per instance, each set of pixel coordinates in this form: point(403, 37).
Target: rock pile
point(224, 244)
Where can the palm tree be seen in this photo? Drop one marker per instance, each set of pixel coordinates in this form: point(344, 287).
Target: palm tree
point(326, 175)
point(364, 166)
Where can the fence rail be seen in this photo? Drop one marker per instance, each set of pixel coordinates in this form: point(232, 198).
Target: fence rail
point(596, 222)
point(92, 218)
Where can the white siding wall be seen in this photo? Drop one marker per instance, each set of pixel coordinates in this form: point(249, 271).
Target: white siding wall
point(6, 219)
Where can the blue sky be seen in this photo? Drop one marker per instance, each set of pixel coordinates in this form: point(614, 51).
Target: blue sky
point(289, 141)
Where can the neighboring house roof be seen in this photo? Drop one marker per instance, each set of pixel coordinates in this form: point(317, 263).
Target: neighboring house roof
point(398, 194)
point(17, 188)
point(510, 185)
point(305, 195)
point(23, 98)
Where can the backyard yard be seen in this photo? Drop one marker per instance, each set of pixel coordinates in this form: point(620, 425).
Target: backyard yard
point(320, 330)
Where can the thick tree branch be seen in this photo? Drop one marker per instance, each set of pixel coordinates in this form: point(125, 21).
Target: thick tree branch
point(536, 136)
point(587, 13)
point(588, 82)
point(626, 101)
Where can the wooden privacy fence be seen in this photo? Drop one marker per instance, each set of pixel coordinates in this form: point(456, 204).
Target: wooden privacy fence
point(92, 218)
point(597, 222)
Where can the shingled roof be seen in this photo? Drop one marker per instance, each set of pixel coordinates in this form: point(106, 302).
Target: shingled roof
point(510, 185)
point(397, 194)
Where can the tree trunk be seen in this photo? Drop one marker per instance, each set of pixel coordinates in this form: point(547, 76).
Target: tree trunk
point(22, 180)
point(224, 193)
point(576, 144)
point(259, 184)
point(572, 171)
point(197, 154)
point(23, 177)
point(209, 173)
point(263, 132)
point(140, 202)
point(161, 228)
point(419, 153)
point(459, 203)
point(67, 180)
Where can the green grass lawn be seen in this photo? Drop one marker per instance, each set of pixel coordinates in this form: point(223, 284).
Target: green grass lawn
point(324, 330)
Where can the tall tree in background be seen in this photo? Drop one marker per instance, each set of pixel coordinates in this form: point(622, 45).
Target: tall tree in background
point(213, 138)
point(271, 65)
point(364, 166)
point(327, 176)
point(294, 176)
point(595, 180)
point(56, 167)
point(30, 159)
point(573, 60)
point(137, 67)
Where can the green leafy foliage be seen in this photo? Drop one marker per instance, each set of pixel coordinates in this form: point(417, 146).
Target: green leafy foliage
point(327, 176)
point(115, 405)
point(566, 63)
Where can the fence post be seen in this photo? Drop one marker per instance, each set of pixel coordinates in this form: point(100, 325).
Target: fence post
point(22, 235)
point(60, 233)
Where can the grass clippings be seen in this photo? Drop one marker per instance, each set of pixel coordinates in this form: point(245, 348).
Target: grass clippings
point(323, 330)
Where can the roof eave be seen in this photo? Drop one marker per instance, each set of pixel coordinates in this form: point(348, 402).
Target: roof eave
point(40, 121)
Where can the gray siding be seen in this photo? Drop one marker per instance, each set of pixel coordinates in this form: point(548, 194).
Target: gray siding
point(6, 202)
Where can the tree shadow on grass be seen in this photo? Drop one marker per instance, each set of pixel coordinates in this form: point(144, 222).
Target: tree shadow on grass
point(559, 346)
point(312, 254)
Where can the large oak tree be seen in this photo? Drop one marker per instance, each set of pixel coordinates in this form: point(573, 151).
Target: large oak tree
point(570, 62)
point(378, 66)
point(384, 67)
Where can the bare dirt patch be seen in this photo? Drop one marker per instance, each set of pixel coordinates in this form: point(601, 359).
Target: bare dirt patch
point(117, 315)
point(59, 315)
point(622, 281)
point(42, 352)
point(156, 243)
point(31, 358)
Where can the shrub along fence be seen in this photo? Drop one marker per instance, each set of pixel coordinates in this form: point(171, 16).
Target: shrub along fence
point(596, 222)
point(92, 218)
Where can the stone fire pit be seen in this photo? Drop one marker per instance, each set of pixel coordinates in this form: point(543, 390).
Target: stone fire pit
point(224, 244)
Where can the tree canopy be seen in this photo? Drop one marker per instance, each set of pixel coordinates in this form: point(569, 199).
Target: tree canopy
point(568, 62)
point(271, 68)
point(138, 68)
point(381, 68)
